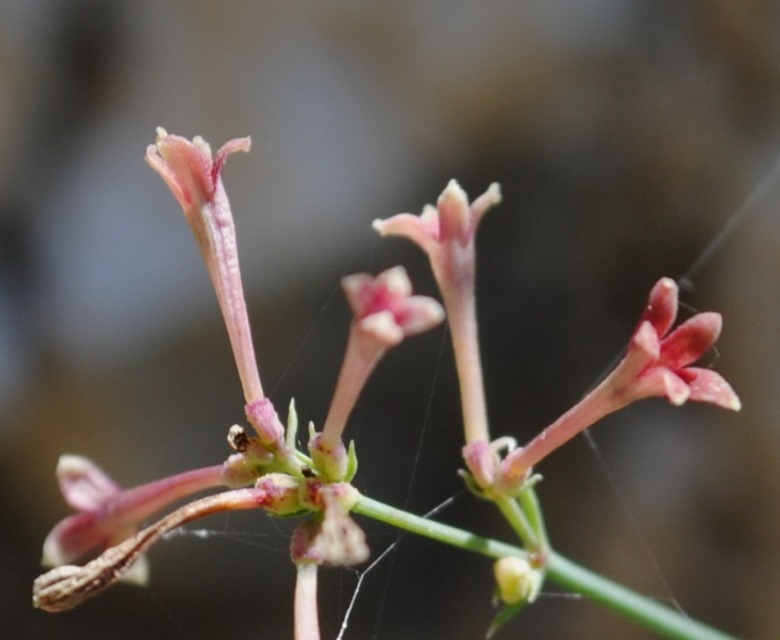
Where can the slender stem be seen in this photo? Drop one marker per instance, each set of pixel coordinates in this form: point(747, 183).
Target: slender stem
point(435, 530)
point(307, 625)
point(533, 511)
point(648, 613)
point(517, 519)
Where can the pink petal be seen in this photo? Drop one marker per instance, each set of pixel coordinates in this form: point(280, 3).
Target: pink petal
point(83, 484)
point(391, 287)
point(482, 461)
point(184, 165)
point(486, 201)
point(690, 341)
point(643, 350)
point(369, 294)
point(357, 291)
point(422, 230)
point(418, 314)
point(231, 146)
point(72, 538)
point(660, 381)
point(383, 328)
point(661, 309)
point(708, 386)
point(454, 214)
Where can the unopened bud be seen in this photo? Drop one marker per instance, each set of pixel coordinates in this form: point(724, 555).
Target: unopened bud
point(281, 494)
point(517, 580)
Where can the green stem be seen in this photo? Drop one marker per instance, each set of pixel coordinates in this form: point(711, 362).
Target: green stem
point(518, 520)
point(435, 530)
point(533, 511)
point(648, 613)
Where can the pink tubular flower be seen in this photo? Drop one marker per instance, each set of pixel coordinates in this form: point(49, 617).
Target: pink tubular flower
point(662, 358)
point(385, 309)
point(195, 180)
point(657, 363)
point(385, 313)
point(446, 233)
point(107, 515)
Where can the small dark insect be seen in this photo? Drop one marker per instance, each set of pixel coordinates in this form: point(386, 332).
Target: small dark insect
point(238, 438)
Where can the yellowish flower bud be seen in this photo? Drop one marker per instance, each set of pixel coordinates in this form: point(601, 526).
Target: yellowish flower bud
point(517, 580)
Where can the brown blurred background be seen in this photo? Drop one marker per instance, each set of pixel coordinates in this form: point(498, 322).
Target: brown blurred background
point(624, 134)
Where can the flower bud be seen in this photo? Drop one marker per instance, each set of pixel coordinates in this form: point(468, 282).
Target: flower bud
point(282, 495)
point(517, 580)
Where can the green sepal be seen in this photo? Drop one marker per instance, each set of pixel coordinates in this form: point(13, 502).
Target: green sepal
point(352, 463)
point(472, 485)
point(530, 482)
point(292, 426)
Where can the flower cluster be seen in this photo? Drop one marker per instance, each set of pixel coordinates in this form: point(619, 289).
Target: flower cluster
point(268, 471)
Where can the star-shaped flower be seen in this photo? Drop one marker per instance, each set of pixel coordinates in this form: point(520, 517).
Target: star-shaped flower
point(107, 514)
point(384, 313)
point(445, 232)
point(657, 363)
point(660, 360)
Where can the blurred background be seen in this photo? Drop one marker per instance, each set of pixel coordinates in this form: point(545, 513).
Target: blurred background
point(625, 135)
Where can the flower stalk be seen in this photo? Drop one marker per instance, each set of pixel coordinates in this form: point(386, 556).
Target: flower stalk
point(307, 624)
point(646, 612)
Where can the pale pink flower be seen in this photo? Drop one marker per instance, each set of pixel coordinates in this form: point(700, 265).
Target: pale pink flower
point(446, 233)
point(657, 363)
point(385, 313)
point(196, 182)
point(107, 514)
